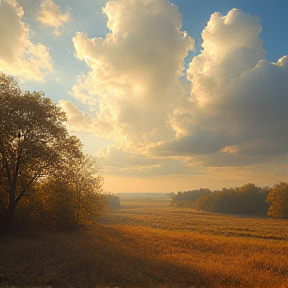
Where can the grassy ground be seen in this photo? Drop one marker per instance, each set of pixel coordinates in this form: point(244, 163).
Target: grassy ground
point(149, 244)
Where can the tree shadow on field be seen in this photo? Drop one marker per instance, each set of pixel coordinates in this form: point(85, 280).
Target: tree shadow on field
point(126, 262)
point(106, 256)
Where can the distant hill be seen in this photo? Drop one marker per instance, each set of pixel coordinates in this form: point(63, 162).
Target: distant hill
point(143, 196)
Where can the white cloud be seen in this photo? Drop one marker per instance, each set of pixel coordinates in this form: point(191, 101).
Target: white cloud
point(135, 70)
point(77, 120)
point(128, 162)
point(18, 55)
point(231, 46)
point(200, 142)
point(241, 98)
point(231, 113)
point(50, 14)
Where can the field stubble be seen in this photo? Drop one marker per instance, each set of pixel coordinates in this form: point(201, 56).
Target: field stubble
point(149, 244)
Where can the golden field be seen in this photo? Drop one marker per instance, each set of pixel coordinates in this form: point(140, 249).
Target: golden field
point(150, 244)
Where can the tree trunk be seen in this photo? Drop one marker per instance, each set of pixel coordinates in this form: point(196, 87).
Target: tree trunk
point(8, 214)
point(7, 220)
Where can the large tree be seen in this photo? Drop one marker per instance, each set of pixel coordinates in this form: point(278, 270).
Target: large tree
point(278, 198)
point(34, 143)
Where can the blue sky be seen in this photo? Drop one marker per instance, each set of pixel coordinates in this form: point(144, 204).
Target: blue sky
point(166, 98)
point(273, 16)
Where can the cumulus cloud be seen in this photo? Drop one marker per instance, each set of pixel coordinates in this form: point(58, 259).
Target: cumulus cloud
point(18, 55)
point(116, 156)
point(200, 142)
point(77, 120)
point(127, 162)
point(50, 14)
point(231, 46)
point(135, 70)
point(240, 98)
point(229, 110)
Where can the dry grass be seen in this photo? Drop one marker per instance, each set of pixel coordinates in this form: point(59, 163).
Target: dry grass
point(161, 215)
point(152, 245)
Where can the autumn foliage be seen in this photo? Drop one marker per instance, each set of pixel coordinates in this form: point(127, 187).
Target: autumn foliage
point(43, 171)
point(278, 197)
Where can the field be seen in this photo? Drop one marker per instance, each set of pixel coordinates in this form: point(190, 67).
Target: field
point(150, 244)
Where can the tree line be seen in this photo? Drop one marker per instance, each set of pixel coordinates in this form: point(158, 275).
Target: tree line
point(248, 199)
point(43, 171)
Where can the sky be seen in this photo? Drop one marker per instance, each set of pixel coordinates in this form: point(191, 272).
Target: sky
point(168, 95)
